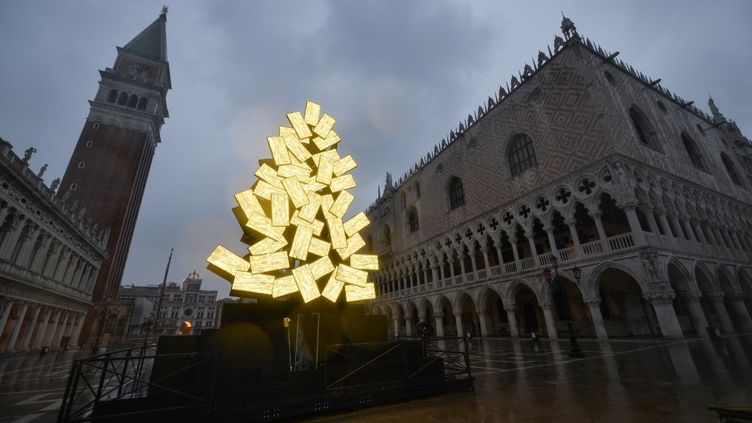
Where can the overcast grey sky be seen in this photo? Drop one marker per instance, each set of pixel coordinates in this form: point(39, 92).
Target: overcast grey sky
point(397, 76)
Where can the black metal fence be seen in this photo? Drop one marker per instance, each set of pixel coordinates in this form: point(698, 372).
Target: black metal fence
point(129, 374)
point(141, 384)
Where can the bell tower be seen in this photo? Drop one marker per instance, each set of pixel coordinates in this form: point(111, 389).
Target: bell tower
point(109, 167)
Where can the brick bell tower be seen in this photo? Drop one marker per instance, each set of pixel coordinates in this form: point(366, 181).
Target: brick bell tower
point(110, 164)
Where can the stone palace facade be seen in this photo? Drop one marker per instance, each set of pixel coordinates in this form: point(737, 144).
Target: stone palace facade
point(50, 255)
point(582, 158)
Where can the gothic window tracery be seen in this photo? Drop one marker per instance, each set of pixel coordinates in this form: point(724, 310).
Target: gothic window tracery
point(412, 220)
point(456, 193)
point(693, 152)
point(731, 169)
point(643, 128)
point(521, 154)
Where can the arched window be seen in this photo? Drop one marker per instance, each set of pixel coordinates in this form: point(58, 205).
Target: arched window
point(142, 103)
point(456, 194)
point(123, 99)
point(731, 169)
point(112, 97)
point(412, 220)
point(693, 151)
point(133, 101)
point(521, 154)
point(387, 236)
point(645, 132)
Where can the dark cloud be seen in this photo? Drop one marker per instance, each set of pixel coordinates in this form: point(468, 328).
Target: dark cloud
point(397, 76)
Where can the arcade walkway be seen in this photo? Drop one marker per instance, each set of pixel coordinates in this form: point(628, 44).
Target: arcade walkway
point(619, 381)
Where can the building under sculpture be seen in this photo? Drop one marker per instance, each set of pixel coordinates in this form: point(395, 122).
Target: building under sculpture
point(583, 158)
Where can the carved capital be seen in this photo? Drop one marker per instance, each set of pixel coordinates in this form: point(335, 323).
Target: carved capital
point(652, 264)
point(592, 301)
point(691, 296)
point(660, 297)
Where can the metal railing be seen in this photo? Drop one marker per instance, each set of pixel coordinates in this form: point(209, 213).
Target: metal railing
point(127, 374)
point(449, 352)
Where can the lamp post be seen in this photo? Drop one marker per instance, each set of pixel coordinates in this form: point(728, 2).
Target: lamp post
point(560, 300)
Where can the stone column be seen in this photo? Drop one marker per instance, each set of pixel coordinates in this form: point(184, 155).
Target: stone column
point(594, 306)
point(483, 320)
point(25, 243)
point(408, 326)
point(38, 262)
point(29, 332)
point(4, 210)
point(698, 231)
point(516, 255)
point(10, 239)
point(550, 324)
point(634, 225)
point(61, 330)
point(51, 259)
point(699, 320)
point(425, 274)
point(601, 232)
point(677, 227)
point(663, 304)
point(78, 323)
point(533, 250)
point(552, 242)
point(4, 318)
point(722, 241)
point(451, 267)
point(62, 264)
point(395, 320)
point(473, 262)
point(575, 239)
point(434, 272)
point(688, 230)
point(54, 328)
point(501, 258)
point(458, 322)
point(461, 258)
point(486, 262)
point(512, 320)
point(716, 300)
point(664, 222)
point(39, 338)
point(17, 328)
point(438, 319)
point(442, 271)
point(650, 217)
point(741, 312)
point(712, 238)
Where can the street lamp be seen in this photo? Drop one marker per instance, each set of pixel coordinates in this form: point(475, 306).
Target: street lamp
point(559, 298)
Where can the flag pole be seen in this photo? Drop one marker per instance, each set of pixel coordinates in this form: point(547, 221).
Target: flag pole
point(161, 297)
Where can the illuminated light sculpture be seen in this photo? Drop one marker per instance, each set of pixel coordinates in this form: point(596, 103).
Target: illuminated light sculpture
point(292, 218)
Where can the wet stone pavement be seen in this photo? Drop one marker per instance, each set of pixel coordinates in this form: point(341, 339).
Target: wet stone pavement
point(618, 381)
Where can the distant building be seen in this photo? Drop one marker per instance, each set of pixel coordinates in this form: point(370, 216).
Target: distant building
point(50, 255)
point(186, 308)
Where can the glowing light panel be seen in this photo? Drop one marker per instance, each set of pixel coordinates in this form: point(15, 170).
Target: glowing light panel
point(300, 191)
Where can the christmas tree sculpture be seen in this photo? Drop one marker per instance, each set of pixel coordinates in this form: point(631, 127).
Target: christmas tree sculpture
point(292, 219)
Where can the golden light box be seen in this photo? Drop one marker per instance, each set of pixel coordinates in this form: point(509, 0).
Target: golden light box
point(294, 213)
